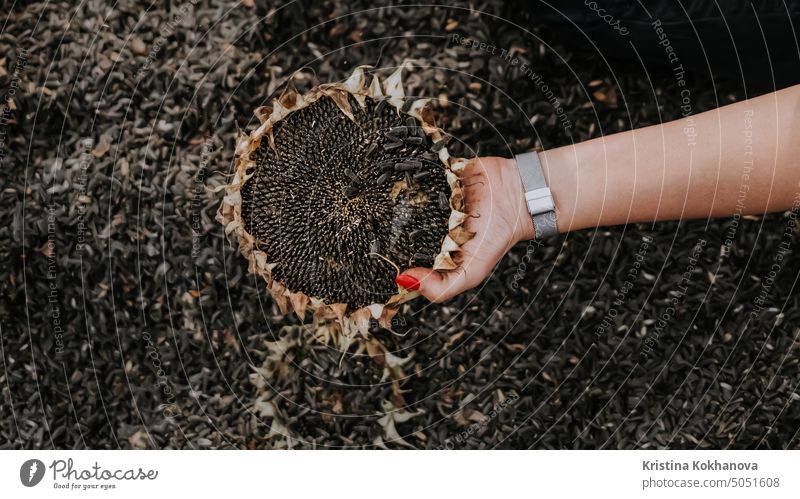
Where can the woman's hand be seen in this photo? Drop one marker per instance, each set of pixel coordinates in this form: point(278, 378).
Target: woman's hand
point(499, 218)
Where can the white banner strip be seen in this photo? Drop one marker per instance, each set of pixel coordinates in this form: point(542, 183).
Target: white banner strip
point(402, 474)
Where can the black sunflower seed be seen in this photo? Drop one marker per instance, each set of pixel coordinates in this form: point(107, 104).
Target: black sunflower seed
point(422, 257)
point(384, 178)
point(398, 131)
point(444, 202)
point(421, 175)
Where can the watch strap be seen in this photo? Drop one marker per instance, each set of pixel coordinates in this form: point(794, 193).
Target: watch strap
point(538, 197)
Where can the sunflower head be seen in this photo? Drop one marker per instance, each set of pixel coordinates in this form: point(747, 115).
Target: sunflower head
point(337, 192)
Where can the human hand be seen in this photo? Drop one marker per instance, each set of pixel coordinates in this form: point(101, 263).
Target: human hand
point(495, 201)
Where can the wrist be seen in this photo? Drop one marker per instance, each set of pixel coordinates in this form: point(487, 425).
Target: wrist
point(560, 168)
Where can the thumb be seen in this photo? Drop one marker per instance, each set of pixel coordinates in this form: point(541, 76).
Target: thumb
point(433, 285)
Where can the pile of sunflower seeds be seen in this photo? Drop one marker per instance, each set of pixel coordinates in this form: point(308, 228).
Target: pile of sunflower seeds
point(128, 321)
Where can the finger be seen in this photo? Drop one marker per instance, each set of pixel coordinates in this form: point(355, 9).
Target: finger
point(438, 286)
point(474, 167)
point(473, 175)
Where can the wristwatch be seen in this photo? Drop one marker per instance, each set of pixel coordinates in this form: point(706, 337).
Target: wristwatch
point(537, 195)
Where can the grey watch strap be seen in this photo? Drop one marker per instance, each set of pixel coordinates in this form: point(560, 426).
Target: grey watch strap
point(537, 195)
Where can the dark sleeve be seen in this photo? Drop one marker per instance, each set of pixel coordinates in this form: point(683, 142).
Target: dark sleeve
point(749, 42)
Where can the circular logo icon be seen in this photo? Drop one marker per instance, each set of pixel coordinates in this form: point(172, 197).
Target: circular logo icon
point(31, 472)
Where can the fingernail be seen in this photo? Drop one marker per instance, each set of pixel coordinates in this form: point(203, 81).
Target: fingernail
point(408, 282)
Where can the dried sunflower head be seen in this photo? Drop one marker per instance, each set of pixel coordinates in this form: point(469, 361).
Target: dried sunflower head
point(340, 189)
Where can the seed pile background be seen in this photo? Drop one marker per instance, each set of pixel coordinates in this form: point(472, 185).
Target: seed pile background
point(128, 321)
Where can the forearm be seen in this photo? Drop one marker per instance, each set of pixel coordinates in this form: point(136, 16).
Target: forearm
point(744, 159)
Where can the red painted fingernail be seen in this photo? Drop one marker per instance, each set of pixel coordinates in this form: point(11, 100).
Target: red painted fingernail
point(407, 282)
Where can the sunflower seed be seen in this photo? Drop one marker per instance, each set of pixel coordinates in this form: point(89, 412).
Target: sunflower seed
point(422, 257)
point(421, 175)
point(398, 131)
point(444, 202)
point(384, 178)
point(430, 156)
